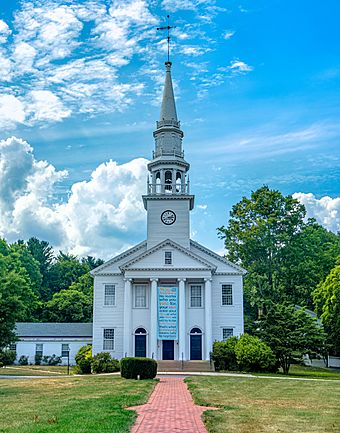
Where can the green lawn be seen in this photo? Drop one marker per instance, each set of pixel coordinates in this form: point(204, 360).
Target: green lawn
point(88, 404)
point(307, 372)
point(255, 405)
point(35, 370)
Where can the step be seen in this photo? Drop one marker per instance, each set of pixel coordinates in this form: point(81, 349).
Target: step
point(184, 366)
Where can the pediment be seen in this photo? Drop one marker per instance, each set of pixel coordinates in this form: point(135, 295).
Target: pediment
point(182, 258)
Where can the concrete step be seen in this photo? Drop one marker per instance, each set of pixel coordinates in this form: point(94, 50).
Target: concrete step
point(184, 366)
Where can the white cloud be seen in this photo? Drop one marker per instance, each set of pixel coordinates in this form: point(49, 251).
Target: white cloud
point(23, 57)
point(228, 34)
point(4, 31)
point(202, 206)
point(239, 67)
point(44, 105)
point(11, 111)
point(100, 216)
point(325, 210)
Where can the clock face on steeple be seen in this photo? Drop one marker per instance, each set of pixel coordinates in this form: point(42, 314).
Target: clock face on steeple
point(168, 217)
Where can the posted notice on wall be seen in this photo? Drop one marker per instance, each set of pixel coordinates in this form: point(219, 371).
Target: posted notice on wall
point(167, 313)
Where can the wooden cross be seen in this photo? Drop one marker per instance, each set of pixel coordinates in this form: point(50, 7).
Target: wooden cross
point(168, 28)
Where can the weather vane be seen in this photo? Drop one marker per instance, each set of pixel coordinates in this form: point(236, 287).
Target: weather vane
point(168, 28)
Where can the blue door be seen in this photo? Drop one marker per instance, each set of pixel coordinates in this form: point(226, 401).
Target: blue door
point(168, 349)
point(140, 343)
point(196, 344)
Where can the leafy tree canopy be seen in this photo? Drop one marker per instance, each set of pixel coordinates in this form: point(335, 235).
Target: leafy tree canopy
point(69, 306)
point(327, 301)
point(290, 333)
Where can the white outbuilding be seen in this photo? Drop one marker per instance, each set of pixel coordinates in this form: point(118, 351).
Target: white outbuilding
point(168, 298)
point(47, 339)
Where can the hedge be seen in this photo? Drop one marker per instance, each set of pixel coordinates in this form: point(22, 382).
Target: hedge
point(131, 368)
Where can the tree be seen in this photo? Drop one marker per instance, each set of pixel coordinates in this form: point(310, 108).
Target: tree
point(69, 306)
point(84, 284)
point(327, 301)
point(17, 299)
point(285, 257)
point(42, 251)
point(290, 333)
point(22, 257)
point(65, 271)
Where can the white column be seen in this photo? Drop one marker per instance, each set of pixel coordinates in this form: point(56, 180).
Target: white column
point(127, 317)
point(208, 318)
point(153, 318)
point(182, 326)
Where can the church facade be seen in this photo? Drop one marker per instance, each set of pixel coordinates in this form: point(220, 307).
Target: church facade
point(167, 297)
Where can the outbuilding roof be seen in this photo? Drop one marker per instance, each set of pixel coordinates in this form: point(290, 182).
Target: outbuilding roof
point(25, 329)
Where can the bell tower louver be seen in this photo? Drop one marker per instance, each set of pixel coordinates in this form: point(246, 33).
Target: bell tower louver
point(168, 183)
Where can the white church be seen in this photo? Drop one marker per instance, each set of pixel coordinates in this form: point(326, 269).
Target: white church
point(167, 298)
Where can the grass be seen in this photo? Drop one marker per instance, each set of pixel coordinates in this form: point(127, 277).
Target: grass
point(35, 370)
point(88, 404)
point(255, 405)
point(307, 372)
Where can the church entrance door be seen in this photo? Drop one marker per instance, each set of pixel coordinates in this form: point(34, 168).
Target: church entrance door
point(168, 350)
point(196, 344)
point(140, 343)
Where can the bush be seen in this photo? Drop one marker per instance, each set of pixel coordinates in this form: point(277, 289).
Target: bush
point(103, 363)
point(83, 359)
point(23, 360)
point(54, 360)
point(7, 357)
point(37, 359)
point(254, 355)
point(223, 354)
point(145, 368)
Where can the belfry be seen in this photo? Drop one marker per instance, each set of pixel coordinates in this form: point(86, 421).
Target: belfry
point(169, 297)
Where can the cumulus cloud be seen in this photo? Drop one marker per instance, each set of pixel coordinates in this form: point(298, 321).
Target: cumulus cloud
point(325, 210)
point(239, 67)
point(11, 111)
point(100, 216)
point(4, 31)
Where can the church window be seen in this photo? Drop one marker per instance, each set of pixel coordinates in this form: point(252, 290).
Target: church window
point(227, 294)
point(110, 294)
point(39, 349)
point(227, 333)
point(109, 339)
point(196, 296)
point(168, 257)
point(140, 295)
point(65, 349)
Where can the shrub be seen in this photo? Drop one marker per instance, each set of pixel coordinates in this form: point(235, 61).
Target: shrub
point(37, 359)
point(223, 354)
point(83, 359)
point(23, 360)
point(7, 357)
point(145, 368)
point(103, 363)
point(54, 360)
point(254, 355)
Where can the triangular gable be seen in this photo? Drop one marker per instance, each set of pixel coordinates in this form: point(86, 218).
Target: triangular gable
point(216, 258)
point(113, 264)
point(154, 258)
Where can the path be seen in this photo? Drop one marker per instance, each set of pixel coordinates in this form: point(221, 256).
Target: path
point(170, 410)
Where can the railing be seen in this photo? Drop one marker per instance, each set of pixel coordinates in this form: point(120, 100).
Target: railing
point(162, 152)
point(168, 188)
point(175, 123)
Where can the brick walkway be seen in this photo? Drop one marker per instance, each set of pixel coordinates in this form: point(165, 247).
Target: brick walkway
point(170, 410)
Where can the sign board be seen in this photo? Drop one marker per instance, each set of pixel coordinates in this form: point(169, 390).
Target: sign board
point(167, 312)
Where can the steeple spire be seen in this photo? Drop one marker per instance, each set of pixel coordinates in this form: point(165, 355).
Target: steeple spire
point(168, 110)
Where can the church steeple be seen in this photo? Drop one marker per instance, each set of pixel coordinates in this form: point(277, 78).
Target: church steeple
point(168, 168)
point(168, 110)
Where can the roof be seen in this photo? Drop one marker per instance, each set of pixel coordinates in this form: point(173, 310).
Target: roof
point(25, 329)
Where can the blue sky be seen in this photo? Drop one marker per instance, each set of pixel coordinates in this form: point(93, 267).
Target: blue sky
point(257, 85)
